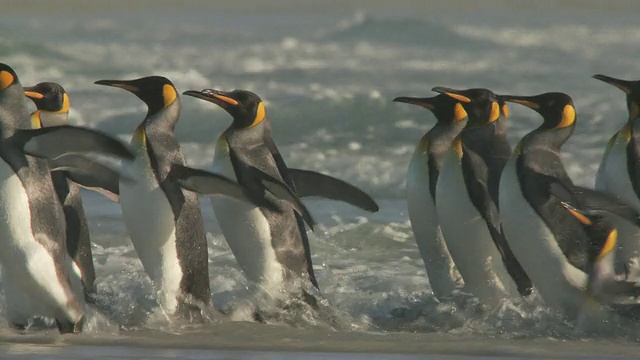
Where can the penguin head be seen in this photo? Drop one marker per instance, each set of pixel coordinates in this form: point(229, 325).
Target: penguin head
point(156, 91)
point(246, 108)
point(446, 109)
point(603, 234)
point(8, 77)
point(481, 105)
point(631, 88)
point(48, 96)
point(556, 108)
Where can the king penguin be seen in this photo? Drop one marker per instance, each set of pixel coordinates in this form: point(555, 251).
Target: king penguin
point(467, 201)
point(35, 263)
point(604, 284)
point(269, 243)
point(164, 221)
point(618, 175)
point(549, 241)
point(620, 147)
point(52, 103)
point(422, 177)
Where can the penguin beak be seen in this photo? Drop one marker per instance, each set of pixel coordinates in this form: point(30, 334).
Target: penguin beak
point(423, 102)
point(31, 93)
point(522, 100)
point(581, 216)
point(456, 94)
point(122, 84)
point(217, 97)
point(623, 85)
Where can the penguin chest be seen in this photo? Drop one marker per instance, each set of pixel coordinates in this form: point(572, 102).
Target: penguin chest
point(150, 222)
point(443, 277)
point(247, 231)
point(535, 247)
point(616, 175)
point(467, 236)
point(29, 269)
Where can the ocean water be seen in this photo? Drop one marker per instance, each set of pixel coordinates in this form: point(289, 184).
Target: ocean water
point(327, 75)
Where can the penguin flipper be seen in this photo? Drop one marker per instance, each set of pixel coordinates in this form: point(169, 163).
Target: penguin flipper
point(311, 183)
point(90, 174)
point(283, 192)
point(474, 172)
point(55, 141)
point(591, 200)
point(207, 183)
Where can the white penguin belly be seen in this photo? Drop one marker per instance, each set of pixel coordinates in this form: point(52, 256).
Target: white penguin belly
point(468, 238)
point(618, 184)
point(441, 271)
point(534, 245)
point(32, 286)
point(247, 232)
point(151, 225)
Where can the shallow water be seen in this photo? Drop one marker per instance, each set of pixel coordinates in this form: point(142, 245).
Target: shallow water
point(327, 76)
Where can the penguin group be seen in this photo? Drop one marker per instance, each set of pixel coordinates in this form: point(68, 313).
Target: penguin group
point(500, 224)
point(47, 264)
point(489, 221)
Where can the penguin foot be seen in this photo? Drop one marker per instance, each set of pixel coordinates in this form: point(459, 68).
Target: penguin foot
point(67, 327)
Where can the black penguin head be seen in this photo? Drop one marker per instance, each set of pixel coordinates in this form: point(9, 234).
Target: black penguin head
point(48, 96)
point(604, 235)
point(481, 105)
point(631, 88)
point(8, 77)
point(246, 107)
point(556, 108)
point(156, 91)
point(447, 110)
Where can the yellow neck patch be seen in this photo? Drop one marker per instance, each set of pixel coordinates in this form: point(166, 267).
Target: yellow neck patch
point(139, 137)
point(495, 112)
point(634, 110)
point(459, 113)
point(568, 117)
point(518, 149)
point(36, 122)
point(505, 110)
point(169, 94)
point(624, 134)
point(456, 146)
point(6, 79)
point(609, 244)
point(260, 115)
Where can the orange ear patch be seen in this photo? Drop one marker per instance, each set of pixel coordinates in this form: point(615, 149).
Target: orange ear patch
point(505, 110)
point(568, 117)
point(65, 104)
point(459, 113)
point(6, 79)
point(495, 112)
point(169, 94)
point(260, 114)
point(609, 244)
